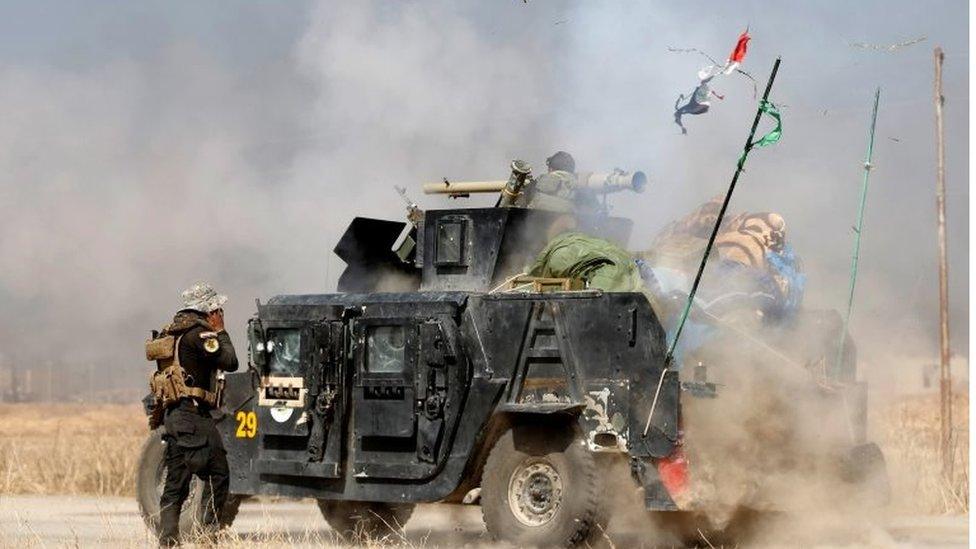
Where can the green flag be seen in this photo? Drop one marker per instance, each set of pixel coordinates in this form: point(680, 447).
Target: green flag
point(773, 136)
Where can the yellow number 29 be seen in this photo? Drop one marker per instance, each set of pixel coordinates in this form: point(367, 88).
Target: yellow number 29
point(247, 424)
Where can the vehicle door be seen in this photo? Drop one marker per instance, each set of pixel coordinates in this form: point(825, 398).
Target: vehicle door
point(409, 381)
point(299, 412)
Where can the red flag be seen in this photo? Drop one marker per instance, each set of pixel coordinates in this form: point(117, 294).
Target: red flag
point(739, 53)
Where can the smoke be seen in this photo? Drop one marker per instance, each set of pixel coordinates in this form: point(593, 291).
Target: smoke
point(772, 440)
point(123, 183)
point(812, 177)
point(163, 159)
point(128, 177)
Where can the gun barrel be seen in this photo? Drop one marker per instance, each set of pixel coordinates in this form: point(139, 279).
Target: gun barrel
point(611, 182)
point(464, 187)
point(599, 182)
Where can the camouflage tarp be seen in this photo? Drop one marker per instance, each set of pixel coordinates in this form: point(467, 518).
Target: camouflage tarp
point(601, 264)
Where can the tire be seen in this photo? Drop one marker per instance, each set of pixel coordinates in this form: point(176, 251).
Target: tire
point(540, 488)
point(150, 475)
point(365, 521)
point(864, 467)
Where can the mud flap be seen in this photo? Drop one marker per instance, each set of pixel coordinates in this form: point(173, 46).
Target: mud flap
point(865, 465)
point(662, 433)
point(656, 496)
point(856, 401)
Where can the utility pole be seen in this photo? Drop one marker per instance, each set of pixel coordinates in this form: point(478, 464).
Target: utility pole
point(50, 381)
point(945, 381)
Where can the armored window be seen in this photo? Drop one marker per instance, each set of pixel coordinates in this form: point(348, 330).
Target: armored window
point(284, 351)
point(385, 349)
point(450, 242)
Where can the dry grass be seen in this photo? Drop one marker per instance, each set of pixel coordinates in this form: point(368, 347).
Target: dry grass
point(79, 449)
point(908, 432)
point(69, 448)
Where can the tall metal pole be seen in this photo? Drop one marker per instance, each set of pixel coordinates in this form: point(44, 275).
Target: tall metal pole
point(857, 233)
point(945, 384)
point(721, 216)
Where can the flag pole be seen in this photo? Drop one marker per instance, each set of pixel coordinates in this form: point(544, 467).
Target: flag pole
point(857, 233)
point(721, 214)
point(669, 358)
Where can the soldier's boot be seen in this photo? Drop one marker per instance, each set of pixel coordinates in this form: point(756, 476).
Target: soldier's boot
point(169, 526)
point(214, 498)
point(216, 485)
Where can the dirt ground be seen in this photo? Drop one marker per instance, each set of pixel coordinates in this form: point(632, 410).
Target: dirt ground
point(90, 452)
point(113, 521)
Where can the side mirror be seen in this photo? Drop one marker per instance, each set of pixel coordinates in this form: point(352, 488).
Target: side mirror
point(256, 344)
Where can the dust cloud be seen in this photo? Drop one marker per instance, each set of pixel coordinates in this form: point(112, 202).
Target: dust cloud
point(124, 182)
point(127, 177)
point(196, 154)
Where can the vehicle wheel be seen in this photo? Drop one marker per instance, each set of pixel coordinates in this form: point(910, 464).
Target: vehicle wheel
point(864, 466)
point(540, 489)
point(365, 521)
point(150, 477)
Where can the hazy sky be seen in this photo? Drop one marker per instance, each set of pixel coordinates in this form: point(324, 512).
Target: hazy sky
point(146, 145)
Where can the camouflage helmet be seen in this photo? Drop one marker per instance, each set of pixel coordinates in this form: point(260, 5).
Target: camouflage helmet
point(203, 298)
point(561, 161)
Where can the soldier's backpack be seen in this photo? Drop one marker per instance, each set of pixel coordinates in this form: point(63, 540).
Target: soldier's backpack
point(168, 384)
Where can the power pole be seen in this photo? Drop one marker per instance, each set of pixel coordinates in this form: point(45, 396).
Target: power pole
point(945, 382)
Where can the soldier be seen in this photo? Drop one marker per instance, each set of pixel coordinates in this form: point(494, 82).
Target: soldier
point(562, 161)
point(558, 189)
point(193, 445)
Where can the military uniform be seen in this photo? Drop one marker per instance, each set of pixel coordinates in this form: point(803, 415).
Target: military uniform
point(559, 190)
point(554, 191)
point(193, 444)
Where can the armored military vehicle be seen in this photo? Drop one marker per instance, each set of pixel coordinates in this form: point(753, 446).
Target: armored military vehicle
point(440, 372)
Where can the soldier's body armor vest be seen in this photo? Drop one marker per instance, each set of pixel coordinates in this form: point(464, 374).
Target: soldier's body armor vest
point(168, 384)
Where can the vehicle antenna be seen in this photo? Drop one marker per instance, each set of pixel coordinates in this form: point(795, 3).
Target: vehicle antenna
point(857, 234)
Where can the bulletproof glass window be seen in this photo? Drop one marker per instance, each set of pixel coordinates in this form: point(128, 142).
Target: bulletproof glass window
point(450, 242)
point(385, 349)
point(284, 352)
point(256, 343)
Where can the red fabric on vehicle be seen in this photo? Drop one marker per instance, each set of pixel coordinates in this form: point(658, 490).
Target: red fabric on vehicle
point(673, 471)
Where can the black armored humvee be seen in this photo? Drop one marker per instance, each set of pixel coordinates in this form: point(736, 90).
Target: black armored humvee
point(439, 373)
